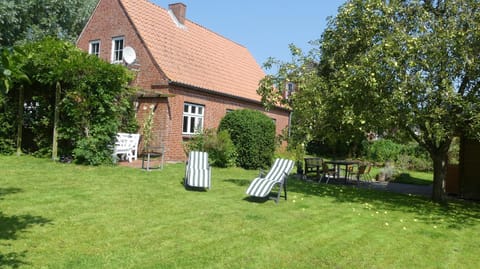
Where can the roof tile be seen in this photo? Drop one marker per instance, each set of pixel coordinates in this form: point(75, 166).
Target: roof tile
point(194, 55)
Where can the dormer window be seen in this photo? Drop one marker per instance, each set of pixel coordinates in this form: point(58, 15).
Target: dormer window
point(117, 49)
point(94, 48)
point(289, 89)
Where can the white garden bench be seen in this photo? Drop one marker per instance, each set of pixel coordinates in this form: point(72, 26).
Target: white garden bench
point(126, 146)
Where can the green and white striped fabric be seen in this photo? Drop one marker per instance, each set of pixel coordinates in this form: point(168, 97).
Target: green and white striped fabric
point(198, 172)
point(261, 186)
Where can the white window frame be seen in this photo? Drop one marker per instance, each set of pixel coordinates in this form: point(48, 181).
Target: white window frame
point(117, 52)
point(94, 48)
point(289, 90)
point(193, 118)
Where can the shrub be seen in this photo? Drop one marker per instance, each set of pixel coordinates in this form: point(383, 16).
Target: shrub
point(220, 148)
point(383, 150)
point(406, 156)
point(7, 128)
point(253, 134)
point(93, 151)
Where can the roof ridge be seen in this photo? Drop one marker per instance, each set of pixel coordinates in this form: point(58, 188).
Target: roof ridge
point(194, 55)
point(197, 24)
point(218, 34)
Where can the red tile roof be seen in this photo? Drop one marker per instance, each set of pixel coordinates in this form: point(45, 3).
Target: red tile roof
point(194, 55)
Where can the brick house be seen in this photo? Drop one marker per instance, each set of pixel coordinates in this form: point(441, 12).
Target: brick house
point(189, 74)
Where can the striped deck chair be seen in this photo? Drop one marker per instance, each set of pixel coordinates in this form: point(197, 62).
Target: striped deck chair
point(197, 171)
point(261, 186)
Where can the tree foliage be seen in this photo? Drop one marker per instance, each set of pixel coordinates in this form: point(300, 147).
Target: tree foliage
point(93, 103)
point(30, 20)
point(409, 66)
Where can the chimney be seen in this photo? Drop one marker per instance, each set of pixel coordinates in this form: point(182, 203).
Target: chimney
point(179, 10)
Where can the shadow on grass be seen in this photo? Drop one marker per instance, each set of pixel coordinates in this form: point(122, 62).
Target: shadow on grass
point(457, 214)
point(5, 191)
point(12, 260)
point(239, 182)
point(194, 189)
point(10, 226)
point(406, 178)
point(258, 200)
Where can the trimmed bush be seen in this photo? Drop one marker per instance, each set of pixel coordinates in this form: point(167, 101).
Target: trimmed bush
point(253, 134)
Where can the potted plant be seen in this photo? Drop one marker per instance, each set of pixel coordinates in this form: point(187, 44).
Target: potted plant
point(386, 172)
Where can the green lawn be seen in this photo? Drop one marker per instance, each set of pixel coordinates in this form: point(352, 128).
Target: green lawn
point(68, 216)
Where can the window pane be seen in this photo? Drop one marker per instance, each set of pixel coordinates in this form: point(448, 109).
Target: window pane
point(185, 108)
point(185, 124)
point(192, 125)
point(194, 109)
point(199, 124)
point(200, 110)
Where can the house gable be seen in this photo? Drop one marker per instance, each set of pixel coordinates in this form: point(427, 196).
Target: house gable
point(109, 21)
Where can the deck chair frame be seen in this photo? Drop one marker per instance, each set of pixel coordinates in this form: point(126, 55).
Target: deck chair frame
point(262, 186)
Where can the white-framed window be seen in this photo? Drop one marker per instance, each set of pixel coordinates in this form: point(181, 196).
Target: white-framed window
point(117, 49)
point(192, 118)
point(94, 47)
point(289, 89)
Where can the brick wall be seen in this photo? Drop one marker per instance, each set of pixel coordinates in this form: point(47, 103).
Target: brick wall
point(168, 118)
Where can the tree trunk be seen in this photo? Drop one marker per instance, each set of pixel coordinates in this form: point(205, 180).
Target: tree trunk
point(20, 120)
point(56, 117)
point(439, 174)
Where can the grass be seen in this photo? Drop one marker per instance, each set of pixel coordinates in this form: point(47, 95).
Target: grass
point(66, 216)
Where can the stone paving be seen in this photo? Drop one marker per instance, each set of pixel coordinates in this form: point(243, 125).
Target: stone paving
point(425, 190)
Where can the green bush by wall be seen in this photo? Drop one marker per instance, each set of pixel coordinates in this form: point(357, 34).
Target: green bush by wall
point(253, 134)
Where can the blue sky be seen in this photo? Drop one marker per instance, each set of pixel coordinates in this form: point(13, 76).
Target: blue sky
point(265, 27)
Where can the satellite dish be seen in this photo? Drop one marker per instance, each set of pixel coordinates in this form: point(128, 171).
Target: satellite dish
point(129, 55)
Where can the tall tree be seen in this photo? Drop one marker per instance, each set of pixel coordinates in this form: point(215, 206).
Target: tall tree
point(407, 65)
point(30, 20)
